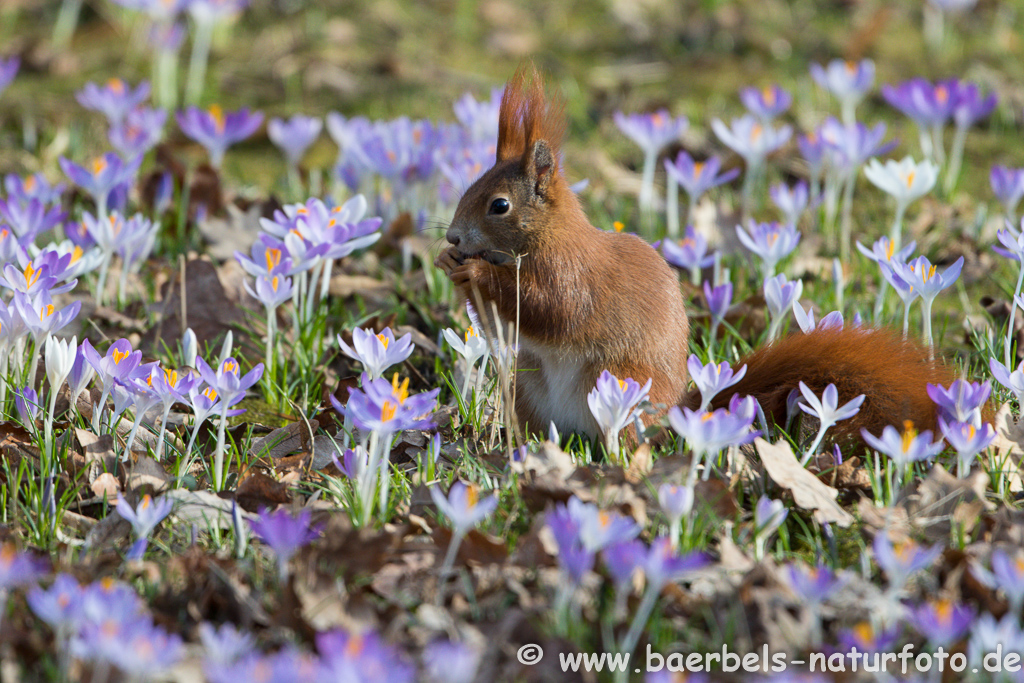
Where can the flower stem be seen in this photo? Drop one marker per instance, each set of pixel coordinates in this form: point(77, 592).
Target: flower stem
point(643, 613)
point(672, 207)
point(896, 231)
point(846, 224)
point(218, 455)
point(646, 198)
point(197, 62)
point(956, 158)
point(1013, 313)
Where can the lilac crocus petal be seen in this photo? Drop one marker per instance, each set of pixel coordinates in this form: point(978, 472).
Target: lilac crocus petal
point(386, 407)
point(847, 81)
point(780, 293)
point(792, 201)
point(769, 515)
point(146, 515)
point(697, 177)
point(464, 507)
point(622, 560)
point(883, 251)
point(853, 144)
point(967, 440)
point(827, 410)
point(771, 242)
point(906, 447)
point(139, 132)
point(225, 380)
point(377, 352)
point(26, 402)
point(613, 401)
point(713, 378)
point(662, 565)
point(294, 136)
point(718, 299)
point(17, 568)
point(962, 401)
point(689, 253)
point(651, 132)
point(711, 432)
point(269, 257)
point(970, 107)
point(1014, 381)
point(225, 644)
point(1007, 575)
point(61, 605)
point(284, 533)
point(1012, 241)
point(675, 501)
point(766, 103)
point(750, 138)
point(926, 104)
point(812, 149)
point(102, 175)
point(271, 291)
point(30, 217)
point(921, 274)
point(942, 622)
point(114, 99)
point(1008, 186)
point(451, 662)
point(905, 180)
point(813, 584)
point(901, 561)
point(216, 130)
point(8, 70)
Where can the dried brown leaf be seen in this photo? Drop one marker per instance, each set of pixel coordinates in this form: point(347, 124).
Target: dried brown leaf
point(808, 492)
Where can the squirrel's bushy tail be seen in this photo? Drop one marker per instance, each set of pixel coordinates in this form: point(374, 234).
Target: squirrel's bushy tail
point(890, 371)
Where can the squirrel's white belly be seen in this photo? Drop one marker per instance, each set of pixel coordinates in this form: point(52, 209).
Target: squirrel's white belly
point(555, 384)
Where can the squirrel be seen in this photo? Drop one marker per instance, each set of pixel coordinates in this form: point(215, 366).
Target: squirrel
point(584, 300)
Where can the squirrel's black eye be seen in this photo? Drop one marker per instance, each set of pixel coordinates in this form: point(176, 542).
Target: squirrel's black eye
point(500, 206)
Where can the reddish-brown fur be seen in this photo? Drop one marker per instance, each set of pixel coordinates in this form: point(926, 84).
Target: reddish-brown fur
point(587, 300)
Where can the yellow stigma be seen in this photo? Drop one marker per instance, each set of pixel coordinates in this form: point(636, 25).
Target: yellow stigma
point(755, 132)
point(218, 117)
point(7, 554)
point(471, 333)
point(910, 179)
point(941, 94)
point(768, 94)
point(387, 411)
point(889, 250)
point(658, 119)
point(302, 211)
point(706, 416)
point(30, 183)
point(944, 611)
point(903, 551)
point(472, 495)
point(354, 647)
point(772, 238)
point(98, 164)
point(119, 356)
point(401, 391)
point(618, 226)
point(230, 366)
point(603, 518)
point(31, 275)
point(622, 384)
point(697, 169)
point(210, 393)
point(273, 258)
point(76, 254)
point(863, 632)
point(851, 66)
point(384, 340)
point(116, 84)
point(274, 283)
point(172, 376)
point(908, 435)
point(46, 312)
point(145, 502)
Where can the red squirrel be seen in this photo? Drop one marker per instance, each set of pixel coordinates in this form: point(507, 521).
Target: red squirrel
point(586, 300)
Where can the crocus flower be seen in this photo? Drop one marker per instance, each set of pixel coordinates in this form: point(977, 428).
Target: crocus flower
point(587, 525)
point(902, 560)
point(962, 401)
point(465, 510)
point(906, 181)
point(270, 290)
point(712, 379)
point(144, 519)
point(216, 131)
point(359, 657)
point(768, 516)
point(868, 639)
point(771, 242)
point(60, 606)
point(969, 107)
point(815, 584)
point(386, 407)
point(967, 440)
point(231, 389)
point(294, 136)
point(284, 534)
point(754, 141)
point(903, 448)
point(690, 253)
point(377, 352)
point(779, 295)
point(613, 403)
point(805, 319)
point(676, 502)
point(472, 349)
point(1008, 187)
point(139, 132)
point(114, 99)
point(694, 177)
point(26, 402)
point(16, 568)
point(8, 70)
point(1014, 381)
point(103, 175)
point(451, 662)
point(987, 635)
point(651, 132)
point(708, 433)
point(30, 216)
point(792, 201)
point(718, 300)
point(922, 276)
point(849, 82)
point(827, 410)
point(766, 103)
point(225, 644)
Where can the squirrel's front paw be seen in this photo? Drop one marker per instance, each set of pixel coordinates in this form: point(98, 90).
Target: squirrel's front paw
point(448, 260)
point(472, 269)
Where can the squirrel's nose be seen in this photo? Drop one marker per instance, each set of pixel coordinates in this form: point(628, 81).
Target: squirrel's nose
point(452, 237)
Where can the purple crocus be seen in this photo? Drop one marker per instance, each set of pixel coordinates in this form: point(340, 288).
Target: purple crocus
point(386, 407)
point(271, 291)
point(119, 363)
point(613, 403)
point(771, 242)
point(104, 174)
point(854, 143)
point(8, 70)
point(827, 410)
point(216, 130)
point(30, 216)
point(813, 585)
point(967, 440)
point(697, 177)
point(377, 352)
point(848, 81)
point(451, 662)
point(942, 622)
point(60, 606)
point(792, 201)
point(26, 403)
point(114, 99)
point(1014, 381)
point(708, 433)
point(359, 657)
point(138, 132)
point(17, 568)
point(465, 509)
point(676, 502)
point(962, 401)
point(766, 103)
point(284, 533)
point(902, 560)
point(769, 515)
point(690, 253)
point(712, 379)
point(144, 519)
point(294, 136)
point(718, 299)
point(1008, 187)
point(225, 380)
point(921, 275)
point(751, 139)
point(652, 132)
point(779, 296)
point(903, 448)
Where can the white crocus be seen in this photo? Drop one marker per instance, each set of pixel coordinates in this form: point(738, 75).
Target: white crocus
point(472, 348)
point(60, 356)
point(828, 411)
point(907, 181)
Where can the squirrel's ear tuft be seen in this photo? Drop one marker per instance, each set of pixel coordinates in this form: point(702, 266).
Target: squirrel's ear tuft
point(540, 167)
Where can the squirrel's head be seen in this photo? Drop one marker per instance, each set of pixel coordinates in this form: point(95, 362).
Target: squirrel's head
point(515, 203)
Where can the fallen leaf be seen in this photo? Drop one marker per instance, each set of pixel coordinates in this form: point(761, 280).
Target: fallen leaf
point(808, 491)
